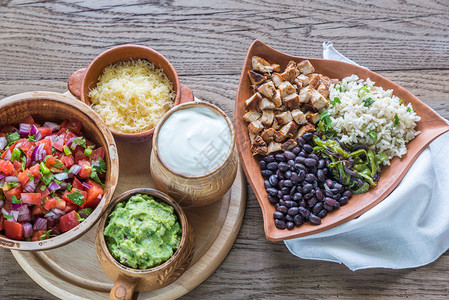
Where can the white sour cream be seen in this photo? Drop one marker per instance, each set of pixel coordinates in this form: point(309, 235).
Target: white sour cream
point(194, 141)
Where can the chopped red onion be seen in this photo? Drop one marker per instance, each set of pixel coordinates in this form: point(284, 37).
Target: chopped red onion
point(87, 186)
point(15, 215)
point(27, 230)
point(29, 187)
point(3, 142)
point(2, 176)
point(49, 216)
point(53, 186)
point(40, 224)
point(24, 129)
point(34, 130)
point(7, 155)
point(69, 141)
point(16, 205)
point(75, 169)
point(2, 182)
point(1, 203)
point(24, 214)
point(58, 211)
point(95, 163)
point(63, 185)
point(4, 211)
point(38, 153)
point(61, 176)
point(38, 136)
point(52, 125)
point(11, 179)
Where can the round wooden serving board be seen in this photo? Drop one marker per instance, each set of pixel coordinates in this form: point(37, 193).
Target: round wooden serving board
point(73, 272)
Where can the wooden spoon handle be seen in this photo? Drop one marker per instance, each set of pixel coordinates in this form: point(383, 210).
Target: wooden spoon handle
point(123, 288)
point(74, 83)
point(186, 94)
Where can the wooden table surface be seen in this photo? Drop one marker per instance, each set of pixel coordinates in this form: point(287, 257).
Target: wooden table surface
point(43, 42)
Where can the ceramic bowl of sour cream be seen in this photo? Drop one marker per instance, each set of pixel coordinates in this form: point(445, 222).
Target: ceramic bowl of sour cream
point(193, 158)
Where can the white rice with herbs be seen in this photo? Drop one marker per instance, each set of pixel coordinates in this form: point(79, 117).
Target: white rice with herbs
point(371, 116)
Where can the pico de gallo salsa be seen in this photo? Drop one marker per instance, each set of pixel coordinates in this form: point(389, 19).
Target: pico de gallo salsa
point(51, 178)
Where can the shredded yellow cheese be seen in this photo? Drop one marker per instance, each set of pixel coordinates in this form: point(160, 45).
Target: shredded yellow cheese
point(132, 96)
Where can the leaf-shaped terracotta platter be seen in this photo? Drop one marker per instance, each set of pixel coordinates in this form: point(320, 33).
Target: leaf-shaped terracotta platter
point(431, 126)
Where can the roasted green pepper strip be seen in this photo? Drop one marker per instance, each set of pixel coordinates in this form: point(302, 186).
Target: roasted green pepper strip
point(363, 189)
point(373, 163)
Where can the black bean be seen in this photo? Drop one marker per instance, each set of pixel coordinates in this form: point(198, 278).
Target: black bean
point(289, 155)
point(278, 215)
point(300, 159)
point(272, 199)
point(307, 136)
point(313, 169)
point(303, 203)
point(290, 225)
point(322, 213)
point(288, 182)
point(280, 194)
point(347, 193)
point(280, 175)
point(321, 164)
point(314, 156)
point(338, 186)
point(319, 195)
point(289, 218)
point(308, 196)
point(290, 204)
point(303, 153)
point(320, 175)
point(291, 163)
point(311, 202)
point(334, 190)
point(288, 174)
point(314, 219)
point(287, 198)
point(272, 191)
point(262, 165)
point(279, 157)
point(293, 211)
point(296, 150)
point(328, 207)
point(294, 177)
point(273, 180)
point(330, 201)
point(266, 173)
point(301, 175)
point(337, 205)
point(285, 190)
point(300, 141)
point(329, 183)
point(273, 166)
point(343, 200)
point(282, 166)
point(337, 196)
point(310, 177)
point(269, 158)
point(297, 197)
point(307, 187)
point(292, 190)
point(283, 209)
point(307, 148)
point(281, 202)
point(298, 220)
point(328, 193)
point(318, 207)
point(280, 224)
point(310, 162)
point(267, 184)
point(304, 212)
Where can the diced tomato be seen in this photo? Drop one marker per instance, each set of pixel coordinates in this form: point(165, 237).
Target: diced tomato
point(17, 165)
point(23, 177)
point(52, 162)
point(10, 149)
point(15, 191)
point(69, 136)
point(32, 198)
point(50, 203)
point(61, 204)
point(47, 145)
point(6, 167)
point(37, 235)
point(35, 171)
point(79, 155)
point(28, 120)
point(70, 207)
point(77, 184)
point(13, 230)
point(66, 196)
point(58, 141)
point(45, 131)
point(25, 145)
point(93, 194)
point(75, 125)
point(68, 161)
point(86, 169)
point(99, 152)
point(37, 211)
point(69, 221)
point(1, 221)
point(43, 193)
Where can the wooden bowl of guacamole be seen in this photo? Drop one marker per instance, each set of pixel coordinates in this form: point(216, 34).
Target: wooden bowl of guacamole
point(144, 242)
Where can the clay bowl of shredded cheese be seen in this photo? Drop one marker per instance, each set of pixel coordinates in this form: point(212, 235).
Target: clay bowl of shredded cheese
point(131, 87)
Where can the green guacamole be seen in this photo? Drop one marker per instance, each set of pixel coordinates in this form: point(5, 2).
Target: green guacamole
point(142, 233)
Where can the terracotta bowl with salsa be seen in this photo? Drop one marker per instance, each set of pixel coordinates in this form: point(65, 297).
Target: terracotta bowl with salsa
point(58, 170)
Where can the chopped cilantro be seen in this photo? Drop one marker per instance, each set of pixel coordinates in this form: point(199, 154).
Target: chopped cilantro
point(79, 218)
point(42, 188)
point(12, 137)
point(32, 138)
point(364, 89)
point(58, 164)
point(409, 109)
point(14, 200)
point(24, 162)
point(47, 235)
point(396, 121)
point(31, 176)
point(69, 187)
point(11, 184)
point(335, 101)
point(101, 168)
point(326, 118)
point(47, 178)
point(373, 134)
point(400, 100)
point(338, 87)
point(368, 102)
point(94, 176)
point(16, 154)
point(8, 217)
point(76, 197)
point(78, 141)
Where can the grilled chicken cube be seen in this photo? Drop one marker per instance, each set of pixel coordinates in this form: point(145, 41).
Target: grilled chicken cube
point(279, 137)
point(305, 67)
point(327, 81)
point(274, 147)
point(252, 137)
point(277, 99)
point(288, 144)
point(258, 146)
point(275, 125)
point(267, 118)
point(289, 129)
point(304, 129)
point(292, 101)
point(277, 80)
point(318, 101)
point(303, 80)
point(312, 117)
point(314, 80)
point(305, 94)
point(251, 116)
point(290, 73)
point(256, 78)
point(253, 102)
point(266, 104)
point(255, 127)
point(286, 88)
point(268, 135)
point(284, 118)
point(323, 90)
point(267, 89)
point(299, 117)
point(263, 66)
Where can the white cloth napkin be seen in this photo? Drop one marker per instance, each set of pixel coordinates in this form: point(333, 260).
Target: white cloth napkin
point(409, 228)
